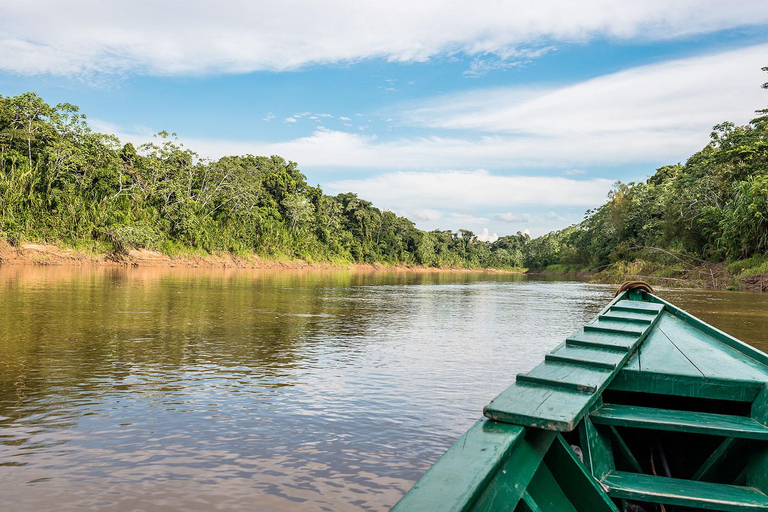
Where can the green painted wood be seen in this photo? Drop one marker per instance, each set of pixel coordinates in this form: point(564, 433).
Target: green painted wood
point(677, 355)
point(686, 493)
point(458, 478)
point(624, 452)
point(584, 356)
point(542, 407)
point(568, 376)
point(528, 504)
point(531, 402)
point(756, 472)
point(724, 463)
point(601, 340)
point(628, 313)
point(596, 449)
point(608, 357)
point(629, 317)
point(629, 379)
point(634, 305)
point(614, 326)
point(546, 491)
point(710, 357)
point(679, 421)
point(677, 359)
point(582, 490)
point(759, 409)
point(506, 489)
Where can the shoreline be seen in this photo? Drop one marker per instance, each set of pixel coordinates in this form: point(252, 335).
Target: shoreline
point(38, 254)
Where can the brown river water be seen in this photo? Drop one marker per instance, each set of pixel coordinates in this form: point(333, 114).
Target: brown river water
point(169, 389)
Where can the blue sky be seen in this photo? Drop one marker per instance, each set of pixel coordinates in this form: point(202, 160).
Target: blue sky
point(492, 116)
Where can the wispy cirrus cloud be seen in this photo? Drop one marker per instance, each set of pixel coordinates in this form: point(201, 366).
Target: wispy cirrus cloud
point(196, 37)
point(675, 97)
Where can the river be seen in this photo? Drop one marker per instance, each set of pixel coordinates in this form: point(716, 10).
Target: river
point(173, 389)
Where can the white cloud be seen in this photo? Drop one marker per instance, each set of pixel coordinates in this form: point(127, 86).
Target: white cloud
point(421, 215)
point(270, 116)
point(512, 217)
point(445, 190)
point(192, 37)
point(673, 97)
point(486, 237)
point(343, 118)
point(290, 119)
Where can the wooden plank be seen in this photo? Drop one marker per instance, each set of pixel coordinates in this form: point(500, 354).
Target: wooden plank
point(658, 354)
point(585, 356)
point(634, 305)
point(579, 486)
point(568, 376)
point(601, 340)
point(539, 407)
point(614, 326)
point(646, 316)
point(681, 385)
point(631, 318)
point(741, 427)
point(457, 479)
point(596, 449)
point(686, 493)
point(509, 483)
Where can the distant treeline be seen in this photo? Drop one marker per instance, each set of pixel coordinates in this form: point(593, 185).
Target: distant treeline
point(60, 182)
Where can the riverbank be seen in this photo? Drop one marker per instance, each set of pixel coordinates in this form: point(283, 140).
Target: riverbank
point(744, 275)
point(54, 255)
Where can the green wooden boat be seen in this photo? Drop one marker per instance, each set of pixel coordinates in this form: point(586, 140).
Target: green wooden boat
point(645, 408)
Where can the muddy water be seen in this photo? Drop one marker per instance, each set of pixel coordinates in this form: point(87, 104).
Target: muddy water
point(127, 390)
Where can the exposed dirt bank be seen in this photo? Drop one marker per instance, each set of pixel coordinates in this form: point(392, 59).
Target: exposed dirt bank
point(45, 254)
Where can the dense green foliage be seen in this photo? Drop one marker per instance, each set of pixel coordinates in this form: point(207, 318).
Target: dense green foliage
point(61, 182)
point(713, 208)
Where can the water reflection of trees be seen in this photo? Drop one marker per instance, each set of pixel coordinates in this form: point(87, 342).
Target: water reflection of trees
point(79, 332)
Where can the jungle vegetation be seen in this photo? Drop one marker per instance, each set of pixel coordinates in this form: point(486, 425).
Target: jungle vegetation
point(61, 182)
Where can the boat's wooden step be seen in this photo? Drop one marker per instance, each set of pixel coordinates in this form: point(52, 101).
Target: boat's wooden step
point(602, 340)
point(566, 376)
point(679, 421)
point(614, 326)
point(686, 493)
point(638, 306)
point(641, 319)
point(586, 356)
